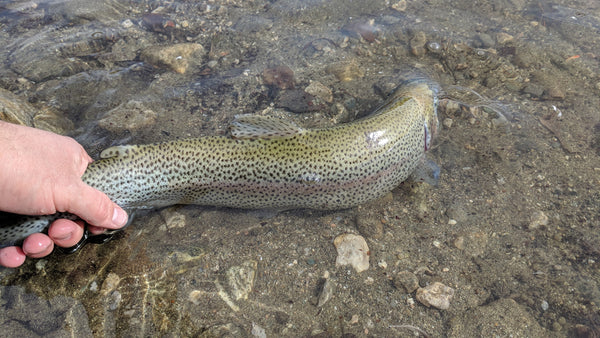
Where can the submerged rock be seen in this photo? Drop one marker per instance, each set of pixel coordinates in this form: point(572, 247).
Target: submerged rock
point(352, 250)
point(436, 294)
point(175, 57)
point(129, 116)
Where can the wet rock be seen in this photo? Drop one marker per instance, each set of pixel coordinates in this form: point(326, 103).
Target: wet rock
point(26, 315)
point(176, 57)
point(346, 71)
point(113, 300)
point(173, 218)
point(16, 110)
point(556, 93)
point(297, 101)
point(406, 280)
point(131, 116)
point(436, 294)
point(483, 40)
point(326, 291)
point(366, 30)
point(502, 318)
point(241, 279)
point(319, 90)
point(417, 44)
point(503, 38)
point(534, 90)
point(538, 220)
point(352, 250)
point(156, 22)
point(400, 6)
point(281, 77)
point(253, 24)
point(110, 283)
point(258, 331)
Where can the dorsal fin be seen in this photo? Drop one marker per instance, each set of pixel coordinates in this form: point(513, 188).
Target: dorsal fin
point(116, 151)
point(265, 127)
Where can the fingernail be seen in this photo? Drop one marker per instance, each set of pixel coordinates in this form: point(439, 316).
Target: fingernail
point(119, 217)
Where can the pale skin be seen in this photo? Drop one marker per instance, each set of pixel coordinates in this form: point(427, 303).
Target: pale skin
point(40, 173)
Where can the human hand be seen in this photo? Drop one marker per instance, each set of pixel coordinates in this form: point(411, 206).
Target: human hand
point(40, 174)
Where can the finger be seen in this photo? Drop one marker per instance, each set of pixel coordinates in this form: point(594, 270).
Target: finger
point(96, 230)
point(12, 257)
point(66, 233)
point(94, 207)
point(37, 245)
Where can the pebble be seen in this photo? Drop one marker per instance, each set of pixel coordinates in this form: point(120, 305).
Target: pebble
point(352, 250)
point(173, 218)
point(447, 123)
point(406, 280)
point(400, 6)
point(281, 77)
point(241, 279)
point(484, 40)
point(346, 71)
point(538, 220)
point(503, 38)
point(175, 57)
point(436, 294)
point(326, 292)
point(319, 90)
point(110, 283)
point(417, 44)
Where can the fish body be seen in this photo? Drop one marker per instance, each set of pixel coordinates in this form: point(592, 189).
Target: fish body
point(269, 163)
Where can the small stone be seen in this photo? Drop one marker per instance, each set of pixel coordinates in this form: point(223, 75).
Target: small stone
point(545, 306)
point(538, 220)
point(417, 44)
point(406, 280)
point(400, 6)
point(556, 93)
point(113, 300)
point(346, 71)
point(451, 222)
point(326, 292)
point(110, 283)
point(319, 90)
point(437, 295)
point(484, 40)
point(447, 123)
point(459, 243)
point(258, 331)
point(127, 23)
point(175, 57)
point(503, 38)
point(352, 250)
point(195, 296)
point(173, 218)
point(281, 77)
point(241, 279)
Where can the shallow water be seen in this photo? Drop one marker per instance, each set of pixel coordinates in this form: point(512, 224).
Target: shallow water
point(512, 225)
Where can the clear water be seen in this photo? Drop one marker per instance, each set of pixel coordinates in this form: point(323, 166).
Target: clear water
point(512, 226)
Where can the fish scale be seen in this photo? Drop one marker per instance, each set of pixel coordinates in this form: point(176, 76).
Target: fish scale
point(268, 163)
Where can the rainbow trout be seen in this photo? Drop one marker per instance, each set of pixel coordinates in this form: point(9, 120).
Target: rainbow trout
point(270, 163)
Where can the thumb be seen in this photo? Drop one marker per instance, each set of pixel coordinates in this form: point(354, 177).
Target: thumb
point(94, 207)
